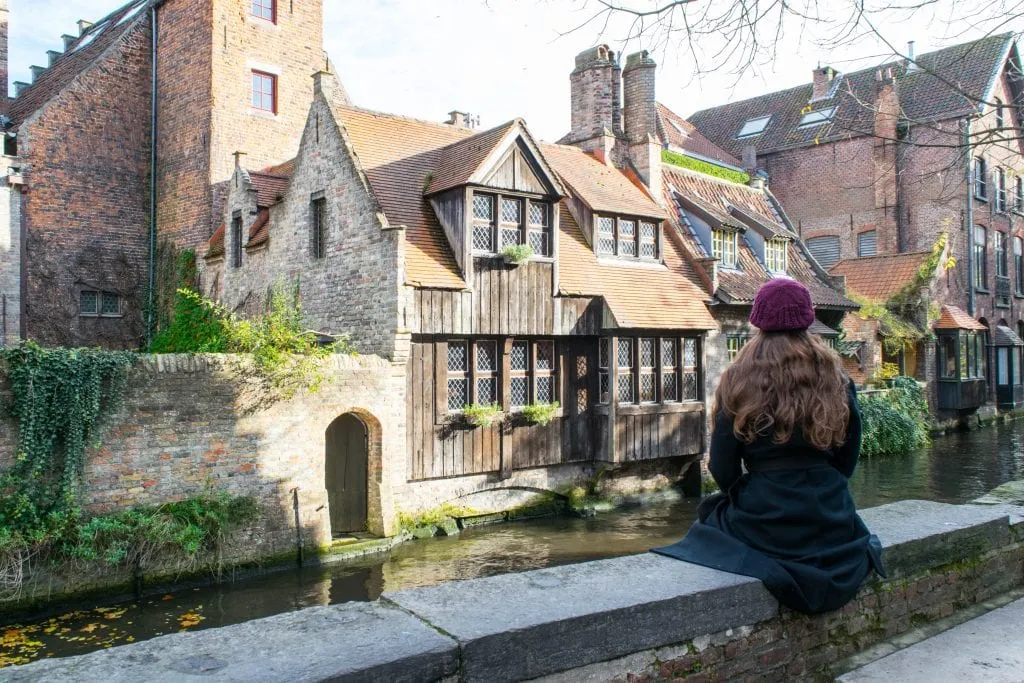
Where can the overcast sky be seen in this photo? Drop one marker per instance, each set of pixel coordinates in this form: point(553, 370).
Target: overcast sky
point(497, 59)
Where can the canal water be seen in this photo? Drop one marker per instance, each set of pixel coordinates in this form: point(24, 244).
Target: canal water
point(955, 469)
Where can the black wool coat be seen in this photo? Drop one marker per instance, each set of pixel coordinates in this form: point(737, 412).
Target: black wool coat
point(789, 520)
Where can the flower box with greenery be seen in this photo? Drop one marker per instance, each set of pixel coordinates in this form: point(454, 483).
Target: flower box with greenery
point(481, 414)
point(540, 413)
point(516, 254)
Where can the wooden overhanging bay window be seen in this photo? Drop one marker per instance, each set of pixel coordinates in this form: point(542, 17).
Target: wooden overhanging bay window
point(649, 370)
point(503, 220)
point(961, 355)
point(629, 238)
point(475, 371)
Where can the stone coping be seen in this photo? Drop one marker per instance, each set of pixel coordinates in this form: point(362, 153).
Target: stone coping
point(517, 626)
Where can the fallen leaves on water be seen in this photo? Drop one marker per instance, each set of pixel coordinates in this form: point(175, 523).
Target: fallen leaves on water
point(190, 619)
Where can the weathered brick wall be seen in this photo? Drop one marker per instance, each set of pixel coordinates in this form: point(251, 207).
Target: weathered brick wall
point(86, 161)
point(10, 255)
point(4, 16)
point(360, 252)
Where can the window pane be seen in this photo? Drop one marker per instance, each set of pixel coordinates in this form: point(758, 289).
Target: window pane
point(625, 387)
point(603, 387)
point(111, 304)
point(647, 390)
point(520, 395)
point(947, 356)
point(539, 242)
point(690, 354)
point(457, 358)
point(538, 214)
point(605, 235)
point(668, 353)
point(511, 210)
point(689, 386)
point(602, 352)
point(457, 394)
point(648, 240)
point(625, 353)
point(483, 207)
point(486, 357)
point(545, 389)
point(627, 238)
point(669, 387)
point(520, 353)
point(486, 390)
point(545, 355)
point(89, 302)
point(509, 237)
point(483, 238)
point(647, 353)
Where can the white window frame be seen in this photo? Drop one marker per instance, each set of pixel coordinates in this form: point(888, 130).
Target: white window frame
point(753, 127)
point(817, 117)
point(724, 246)
point(776, 255)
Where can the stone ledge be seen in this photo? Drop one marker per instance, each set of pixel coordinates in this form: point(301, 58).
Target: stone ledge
point(356, 641)
point(519, 626)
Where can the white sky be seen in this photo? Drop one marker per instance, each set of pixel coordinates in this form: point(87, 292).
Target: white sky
point(498, 59)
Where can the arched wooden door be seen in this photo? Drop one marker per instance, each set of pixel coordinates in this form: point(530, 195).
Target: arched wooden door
point(346, 474)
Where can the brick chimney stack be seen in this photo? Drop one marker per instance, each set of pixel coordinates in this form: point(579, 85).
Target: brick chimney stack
point(593, 93)
point(823, 77)
point(640, 111)
point(3, 57)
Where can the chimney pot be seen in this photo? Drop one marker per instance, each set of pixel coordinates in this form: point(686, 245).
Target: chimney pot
point(83, 26)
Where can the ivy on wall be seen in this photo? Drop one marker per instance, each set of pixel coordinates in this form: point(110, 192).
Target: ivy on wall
point(896, 421)
point(683, 161)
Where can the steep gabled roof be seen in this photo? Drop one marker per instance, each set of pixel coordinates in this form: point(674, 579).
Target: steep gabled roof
point(669, 297)
point(270, 188)
point(603, 188)
point(678, 133)
point(460, 160)
point(739, 285)
point(879, 277)
point(259, 232)
point(949, 83)
point(82, 54)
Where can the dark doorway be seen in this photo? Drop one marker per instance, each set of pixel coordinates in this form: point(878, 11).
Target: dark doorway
point(346, 471)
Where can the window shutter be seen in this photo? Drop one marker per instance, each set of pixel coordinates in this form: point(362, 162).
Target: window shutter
point(867, 243)
point(825, 250)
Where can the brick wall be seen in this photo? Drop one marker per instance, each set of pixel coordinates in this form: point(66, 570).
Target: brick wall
point(86, 159)
point(10, 254)
point(4, 15)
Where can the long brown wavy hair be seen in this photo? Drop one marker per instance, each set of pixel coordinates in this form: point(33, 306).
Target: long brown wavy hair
point(783, 380)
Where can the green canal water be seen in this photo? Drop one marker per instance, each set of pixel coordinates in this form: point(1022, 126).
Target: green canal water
point(955, 469)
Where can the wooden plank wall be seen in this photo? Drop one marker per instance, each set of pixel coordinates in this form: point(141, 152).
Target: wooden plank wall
point(450, 209)
point(647, 436)
point(506, 300)
point(438, 448)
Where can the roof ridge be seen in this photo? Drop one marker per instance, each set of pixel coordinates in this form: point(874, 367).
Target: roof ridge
point(402, 117)
point(489, 131)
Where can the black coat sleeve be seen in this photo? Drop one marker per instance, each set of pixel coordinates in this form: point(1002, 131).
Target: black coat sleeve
point(726, 453)
point(846, 456)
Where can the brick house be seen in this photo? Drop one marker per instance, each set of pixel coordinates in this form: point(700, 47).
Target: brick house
point(225, 75)
point(873, 163)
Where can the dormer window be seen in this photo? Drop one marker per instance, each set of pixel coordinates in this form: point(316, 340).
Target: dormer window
point(628, 238)
point(753, 127)
point(723, 247)
point(501, 221)
point(775, 255)
point(815, 118)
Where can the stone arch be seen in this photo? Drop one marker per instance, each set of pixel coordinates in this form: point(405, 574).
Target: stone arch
point(377, 499)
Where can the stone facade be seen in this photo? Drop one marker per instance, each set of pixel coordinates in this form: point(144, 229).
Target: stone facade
point(10, 251)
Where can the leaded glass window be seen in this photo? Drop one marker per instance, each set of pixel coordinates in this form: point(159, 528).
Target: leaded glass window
point(690, 390)
point(483, 223)
point(520, 383)
point(627, 238)
point(603, 355)
point(669, 382)
point(110, 304)
point(458, 376)
point(486, 372)
point(89, 303)
point(648, 240)
point(625, 370)
point(511, 221)
point(544, 368)
point(539, 228)
point(94, 303)
point(605, 235)
point(648, 371)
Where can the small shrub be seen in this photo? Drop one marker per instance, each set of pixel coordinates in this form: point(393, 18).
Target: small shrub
point(482, 414)
point(883, 374)
point(896, 422)
point(540, 413)
point(517, 253)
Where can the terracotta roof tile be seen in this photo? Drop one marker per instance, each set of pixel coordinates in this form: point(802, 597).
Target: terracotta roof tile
point(740, 285)
point(879, 277)
point(397, 155)
point(270, 189)
point(259, 233)
point(215, 247)
point(283, 169)
point(77, 59)
point(668, 299)
point(678, 133)
point(459, 160)
point(954, 318)
point(949, 84)
point(603, 188)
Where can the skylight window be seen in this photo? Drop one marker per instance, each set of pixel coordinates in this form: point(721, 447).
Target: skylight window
point(815, 118)
point(754, 127)
point(675, 124)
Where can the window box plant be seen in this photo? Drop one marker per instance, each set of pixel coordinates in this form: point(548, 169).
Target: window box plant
point(540, 413)
point(481, 414)
point(516, 254)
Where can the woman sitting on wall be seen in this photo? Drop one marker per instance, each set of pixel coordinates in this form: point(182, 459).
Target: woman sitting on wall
point(787, 412)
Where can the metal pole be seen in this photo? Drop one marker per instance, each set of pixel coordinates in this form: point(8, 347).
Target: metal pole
point(970, 215)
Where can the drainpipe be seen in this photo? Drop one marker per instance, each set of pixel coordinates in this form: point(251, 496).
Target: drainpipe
point(970, 215)
point(151, 321)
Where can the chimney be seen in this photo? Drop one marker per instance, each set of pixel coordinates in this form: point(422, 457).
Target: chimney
point(640, 111)
point(3, 57)
point(749, 160)
point(53, 56)
point(462, 119)
point(886, 105)
point(911, 63)
point(37, 71)
point(823, 77)
point(639, 107)
point(616, 94)
point(83, 26)
point(593, 94)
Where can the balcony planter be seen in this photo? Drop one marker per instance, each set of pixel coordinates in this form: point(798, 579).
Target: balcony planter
point(482, 415)
point(516, 254)
point(540, 413)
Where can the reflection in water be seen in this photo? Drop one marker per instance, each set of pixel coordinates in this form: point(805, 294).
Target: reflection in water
point(955, 469)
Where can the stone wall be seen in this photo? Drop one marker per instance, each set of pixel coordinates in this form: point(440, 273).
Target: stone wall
point(10, 247)
point(637, 618)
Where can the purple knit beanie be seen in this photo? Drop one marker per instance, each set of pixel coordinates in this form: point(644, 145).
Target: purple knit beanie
point(782, 305)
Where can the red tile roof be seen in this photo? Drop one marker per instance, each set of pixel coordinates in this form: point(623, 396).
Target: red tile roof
point(667, 299)
point(270, 189)
point(880, 277)
point(678, 133)
point(601, 187)
point(78, 58)
point(459, 160)
point(215, 247)
point(259, 233)
point(954, 318)
point(283, 169)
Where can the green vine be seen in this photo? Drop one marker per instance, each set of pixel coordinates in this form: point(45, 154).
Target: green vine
point(683, 161)
point(57, 397)
point(896, 421)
